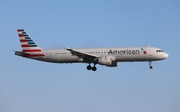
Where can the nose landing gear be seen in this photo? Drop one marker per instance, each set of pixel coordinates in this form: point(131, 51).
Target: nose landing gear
point(150, 65)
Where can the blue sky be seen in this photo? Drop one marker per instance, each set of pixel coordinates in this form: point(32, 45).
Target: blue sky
point(33, 86)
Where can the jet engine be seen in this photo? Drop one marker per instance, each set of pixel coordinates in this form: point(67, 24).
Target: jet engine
point(107, 61)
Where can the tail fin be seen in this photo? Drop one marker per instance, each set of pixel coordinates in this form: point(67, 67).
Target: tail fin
point(27, 44)
point(29, 47)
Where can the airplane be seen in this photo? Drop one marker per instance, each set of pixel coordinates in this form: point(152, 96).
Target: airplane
point(103, 56)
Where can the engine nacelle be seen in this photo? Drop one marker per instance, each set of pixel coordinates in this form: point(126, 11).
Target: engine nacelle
point(113, 64)
point(107, 61)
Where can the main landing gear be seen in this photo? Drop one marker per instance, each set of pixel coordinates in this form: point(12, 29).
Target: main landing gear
point(150, 65)
point(91, 68)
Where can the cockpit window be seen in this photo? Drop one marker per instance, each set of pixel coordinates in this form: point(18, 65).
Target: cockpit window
point(159, 51)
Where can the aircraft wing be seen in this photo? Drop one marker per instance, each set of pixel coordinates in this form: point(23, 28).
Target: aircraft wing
point(86, 56)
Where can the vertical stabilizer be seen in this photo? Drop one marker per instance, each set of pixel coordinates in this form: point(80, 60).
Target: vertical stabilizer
point(28, 45)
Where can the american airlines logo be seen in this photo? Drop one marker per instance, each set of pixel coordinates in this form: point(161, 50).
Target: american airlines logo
point(144, 51)
point(126, 52)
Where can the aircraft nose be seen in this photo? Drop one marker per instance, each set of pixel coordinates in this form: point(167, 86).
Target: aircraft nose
point(165, 55)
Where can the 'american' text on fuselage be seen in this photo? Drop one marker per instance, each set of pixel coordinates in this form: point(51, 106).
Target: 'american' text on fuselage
point(123, 52)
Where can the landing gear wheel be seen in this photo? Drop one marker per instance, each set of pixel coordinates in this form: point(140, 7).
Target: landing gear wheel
point(150, 67)
point(94, 68)
point(89, 67)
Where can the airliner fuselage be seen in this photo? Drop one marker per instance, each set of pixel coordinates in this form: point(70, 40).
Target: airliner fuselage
point(121, 54)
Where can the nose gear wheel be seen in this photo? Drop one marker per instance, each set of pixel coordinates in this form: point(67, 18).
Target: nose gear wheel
point(150, 65)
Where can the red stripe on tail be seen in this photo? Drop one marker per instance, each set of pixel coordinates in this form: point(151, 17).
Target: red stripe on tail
point(19, 30)
point(32, 50)
point(33, 55)
point(21, 35)
point(25, 45)
point(23, 40)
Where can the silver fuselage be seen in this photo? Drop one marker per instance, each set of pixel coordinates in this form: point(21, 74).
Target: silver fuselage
point(129, 54)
